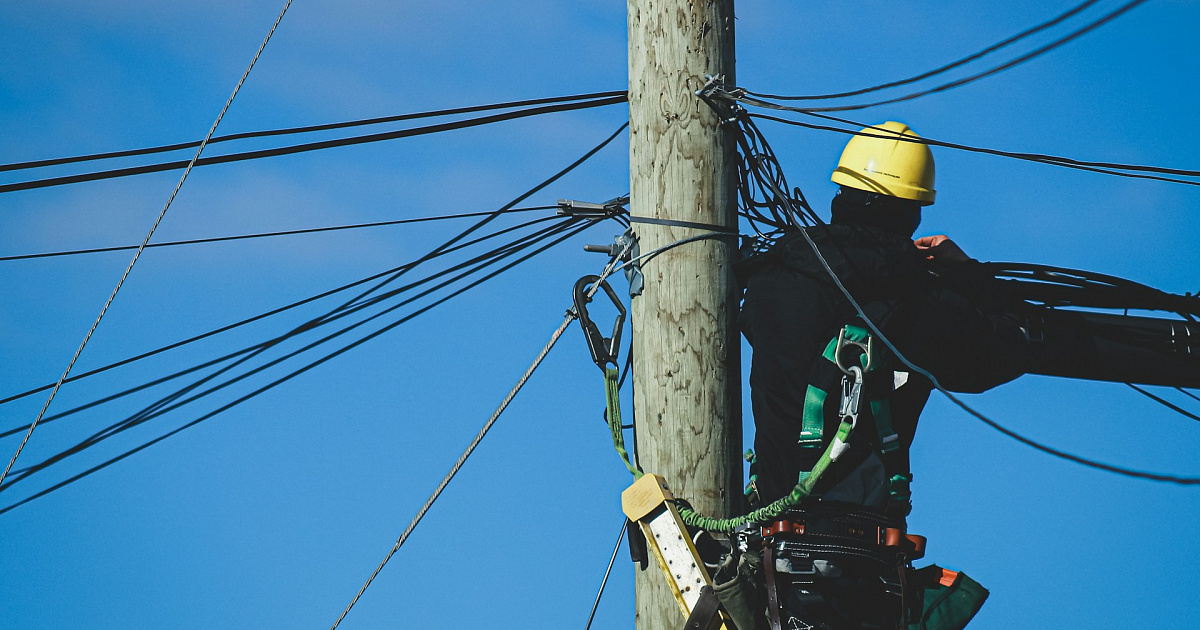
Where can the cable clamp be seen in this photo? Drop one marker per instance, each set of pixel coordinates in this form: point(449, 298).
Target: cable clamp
point(591, 210)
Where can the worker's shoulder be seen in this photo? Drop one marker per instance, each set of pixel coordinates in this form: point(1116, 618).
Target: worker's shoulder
point(862, 246)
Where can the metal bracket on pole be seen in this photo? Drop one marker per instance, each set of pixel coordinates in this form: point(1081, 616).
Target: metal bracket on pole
point(591, 210)
point(650, 504)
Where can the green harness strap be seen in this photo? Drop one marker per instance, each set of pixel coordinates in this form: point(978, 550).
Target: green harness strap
point(808, 480)
point(813, 422)
point(613, 401)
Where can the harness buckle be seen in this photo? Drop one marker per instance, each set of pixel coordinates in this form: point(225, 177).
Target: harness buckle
point(604, 349)
point(843, 342)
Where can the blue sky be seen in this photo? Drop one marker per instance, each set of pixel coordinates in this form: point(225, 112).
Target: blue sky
point(271, 515)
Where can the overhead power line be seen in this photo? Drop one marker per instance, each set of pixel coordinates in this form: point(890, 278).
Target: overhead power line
point(15, 166)
point(936, 71)
point(1107, 168)
point(249, 320)
point(172, 402)
point(158, 407)
point(1166, 403)
point(146, 240)
point(349, 308)
point(284, 378)
point(987, 73)
point(313, 146)
point(219, 239)
point(444, 248)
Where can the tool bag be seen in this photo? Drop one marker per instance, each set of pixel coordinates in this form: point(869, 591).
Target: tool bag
point(945, 599)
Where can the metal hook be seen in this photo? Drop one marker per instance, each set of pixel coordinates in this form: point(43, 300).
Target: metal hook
point(604, 349)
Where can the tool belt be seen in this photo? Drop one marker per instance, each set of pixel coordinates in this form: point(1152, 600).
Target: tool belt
point(860, 531)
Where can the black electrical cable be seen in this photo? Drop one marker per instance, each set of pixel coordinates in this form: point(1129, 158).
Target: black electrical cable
point(1187, 393)
point(167, 404)
point(987, 73)
point(1165, 403)
point(435, 252)
point(264, 388)
point(1029, 157)
point(306, 129)
point(310, 146)
point(246, 321)
point(444, 248)
point(159, 408)
point(312, 324)
point(604, 582)
point(950, 66)
point(240, 237)
point(1058, 286)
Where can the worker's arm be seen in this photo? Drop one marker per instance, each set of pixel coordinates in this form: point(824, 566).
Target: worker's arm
point(970, 338)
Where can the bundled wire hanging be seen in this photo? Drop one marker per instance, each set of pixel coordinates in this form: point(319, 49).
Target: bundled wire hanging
point(762, 196)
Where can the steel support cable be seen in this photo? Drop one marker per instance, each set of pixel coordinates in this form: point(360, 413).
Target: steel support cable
point(164, 405)
point(310, 146)
point(285, 378)
point(146, 240)
point(604, 582)
point(462, 459)
point(306, 129)
point(1028, 157)
point(1166, 403)
point(1127, 472)
point(161, 407)
point(444, 248)
point(571, 315)
point(240, 237)
point(987, 73)
point(249, 320)
point(168, 404)
point(936, 71)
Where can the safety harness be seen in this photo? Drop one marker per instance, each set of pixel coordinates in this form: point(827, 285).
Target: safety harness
point(792, 541)
point(867, 379)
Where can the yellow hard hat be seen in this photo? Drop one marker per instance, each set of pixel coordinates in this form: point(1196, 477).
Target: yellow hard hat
point(879, 164)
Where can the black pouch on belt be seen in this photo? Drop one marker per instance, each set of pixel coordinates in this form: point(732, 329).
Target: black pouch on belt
point(944, 599)
point(737, 585)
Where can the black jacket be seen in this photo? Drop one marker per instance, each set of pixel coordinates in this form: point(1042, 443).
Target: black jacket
point(936, 319)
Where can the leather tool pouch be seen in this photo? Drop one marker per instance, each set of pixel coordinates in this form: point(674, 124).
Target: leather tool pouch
point(944, 599)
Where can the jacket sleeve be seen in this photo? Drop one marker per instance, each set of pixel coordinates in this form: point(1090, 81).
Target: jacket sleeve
point(967, 336)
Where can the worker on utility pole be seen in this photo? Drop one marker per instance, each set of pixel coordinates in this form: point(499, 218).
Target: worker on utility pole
point(841, 559)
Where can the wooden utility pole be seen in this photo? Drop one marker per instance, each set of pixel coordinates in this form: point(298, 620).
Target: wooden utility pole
point(687, 397)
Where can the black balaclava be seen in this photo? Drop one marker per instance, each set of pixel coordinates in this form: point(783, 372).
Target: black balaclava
point(858, 207)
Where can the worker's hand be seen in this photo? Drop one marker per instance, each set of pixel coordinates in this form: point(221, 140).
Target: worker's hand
point(940, 248)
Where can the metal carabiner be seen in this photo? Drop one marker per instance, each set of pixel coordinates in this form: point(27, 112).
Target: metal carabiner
point(843, 342)
point(851, 394)
point(604, 349)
